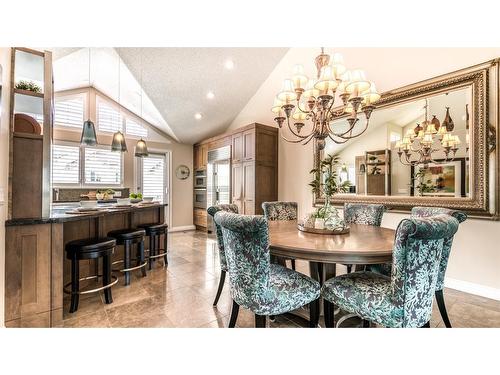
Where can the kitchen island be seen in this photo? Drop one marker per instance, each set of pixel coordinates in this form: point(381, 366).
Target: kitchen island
point(35, 263)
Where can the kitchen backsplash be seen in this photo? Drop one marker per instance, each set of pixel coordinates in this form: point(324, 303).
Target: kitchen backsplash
point(74, 195)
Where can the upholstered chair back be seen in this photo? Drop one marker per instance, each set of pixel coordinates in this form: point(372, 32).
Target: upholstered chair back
point(220, 242)
point(366, 214)
point(247, 252)
point(416, 257)
point(280, 210)
point(432, 211)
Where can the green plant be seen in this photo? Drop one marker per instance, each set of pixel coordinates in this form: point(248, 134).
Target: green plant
point(28, 86)
point(326, 179)
point(423, 186)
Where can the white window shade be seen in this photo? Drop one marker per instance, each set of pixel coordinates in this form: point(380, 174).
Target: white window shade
point(65, 164)
point(153, 168)
point(136, 129)
point(109, 118)
point(69, 112)
point(102, 167)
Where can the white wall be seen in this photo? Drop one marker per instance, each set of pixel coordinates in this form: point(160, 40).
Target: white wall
point(475, 260)
point(4, 164)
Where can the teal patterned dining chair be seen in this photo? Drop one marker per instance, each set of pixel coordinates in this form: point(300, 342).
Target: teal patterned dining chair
point(265, 289)
point(281, 211)
point(405, 298)
point(220, 243)
point(385, 269)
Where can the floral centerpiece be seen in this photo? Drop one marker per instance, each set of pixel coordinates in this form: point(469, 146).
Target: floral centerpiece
point(327, 183)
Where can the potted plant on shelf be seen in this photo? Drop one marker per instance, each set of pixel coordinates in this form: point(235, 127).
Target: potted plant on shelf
point(326, 183)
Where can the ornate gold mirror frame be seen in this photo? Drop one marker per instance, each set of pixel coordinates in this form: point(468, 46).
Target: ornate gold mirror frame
point(483, 202)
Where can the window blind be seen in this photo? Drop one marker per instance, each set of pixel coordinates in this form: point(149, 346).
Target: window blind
point(134, 128)
point(153, 169)
point(102, 166)
point(109, 119)
point(65, 164)
point(69, 112)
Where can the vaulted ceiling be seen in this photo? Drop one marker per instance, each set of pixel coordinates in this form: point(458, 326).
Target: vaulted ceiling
point(177, 81)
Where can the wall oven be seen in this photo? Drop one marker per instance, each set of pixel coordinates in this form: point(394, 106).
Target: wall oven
point(200, 179)
point(200, 198)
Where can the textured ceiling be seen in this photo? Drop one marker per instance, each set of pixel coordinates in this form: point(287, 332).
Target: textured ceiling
point(178, 79)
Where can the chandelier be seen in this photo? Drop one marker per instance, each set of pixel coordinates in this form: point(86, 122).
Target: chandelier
point(421, 144)
point(303, 100)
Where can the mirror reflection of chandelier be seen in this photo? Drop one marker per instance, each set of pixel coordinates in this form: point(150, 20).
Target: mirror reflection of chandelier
point(420, 145)
point(302, 99)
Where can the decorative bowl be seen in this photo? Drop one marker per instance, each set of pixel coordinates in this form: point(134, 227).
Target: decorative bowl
point(147, 199)
point(88, 204)
point(122, 201)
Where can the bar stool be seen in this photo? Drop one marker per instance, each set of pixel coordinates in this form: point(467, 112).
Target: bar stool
point(90, 249)
point(128, 237)
point(154, 231)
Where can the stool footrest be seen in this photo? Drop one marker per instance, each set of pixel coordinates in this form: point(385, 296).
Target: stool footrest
point(68, 291)
point(128, 269)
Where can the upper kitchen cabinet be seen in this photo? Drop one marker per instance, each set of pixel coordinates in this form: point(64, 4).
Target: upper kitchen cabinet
point(237, 148)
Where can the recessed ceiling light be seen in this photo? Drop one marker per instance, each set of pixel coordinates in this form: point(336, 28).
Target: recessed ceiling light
point(210, 95)
point(198, 116)
point(229, 64)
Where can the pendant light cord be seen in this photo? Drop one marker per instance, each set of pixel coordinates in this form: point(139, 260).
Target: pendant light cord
point(88, 103)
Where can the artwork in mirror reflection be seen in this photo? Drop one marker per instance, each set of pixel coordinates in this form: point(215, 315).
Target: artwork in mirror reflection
point(417, 148)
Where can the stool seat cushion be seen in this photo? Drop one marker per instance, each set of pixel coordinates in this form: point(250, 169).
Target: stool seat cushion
point(155, 227)
point(90, 244)
point(127, 234)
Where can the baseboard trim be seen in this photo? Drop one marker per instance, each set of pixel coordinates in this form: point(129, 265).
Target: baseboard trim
point(472, 288)
point(182, 228)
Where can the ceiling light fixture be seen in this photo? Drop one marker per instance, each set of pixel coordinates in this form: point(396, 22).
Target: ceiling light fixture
point(303, 99)
point(229, 64)
point(141, 149)
point(210, 95)
point(198, 116)
point(89, 137)
point(118, 143)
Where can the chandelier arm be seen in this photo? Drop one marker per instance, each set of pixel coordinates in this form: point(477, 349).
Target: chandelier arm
point(337, 141)
point(300, 109)
point(291, 140)
point(295, 134)
point(354, 136)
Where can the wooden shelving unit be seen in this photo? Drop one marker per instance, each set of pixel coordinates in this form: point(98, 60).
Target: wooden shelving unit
point(378, 172)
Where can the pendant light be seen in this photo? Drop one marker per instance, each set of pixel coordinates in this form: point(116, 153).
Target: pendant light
point(118, 144)
point(89, 137)
point(141, 149)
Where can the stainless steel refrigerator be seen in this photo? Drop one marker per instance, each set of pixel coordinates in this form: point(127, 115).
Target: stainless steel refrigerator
point(218, 180)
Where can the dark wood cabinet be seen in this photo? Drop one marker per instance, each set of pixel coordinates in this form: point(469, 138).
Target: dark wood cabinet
point(248, 140)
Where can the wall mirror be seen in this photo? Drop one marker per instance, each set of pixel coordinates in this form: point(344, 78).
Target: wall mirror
point(431, 143)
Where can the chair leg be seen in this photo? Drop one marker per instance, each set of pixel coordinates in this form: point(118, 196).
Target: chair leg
point(221, 286)
point(349, 268)
point(260, 321)
point(234, 315)
point(106, 278)
point(152, 244)
point(293, 264)
point(75, 284)
point(426, 325)
point(366, 323)
point(165, 245)
point(442, 308)
point(126, 261)
point(314, 313)
point(140, 257)
point(329, 308)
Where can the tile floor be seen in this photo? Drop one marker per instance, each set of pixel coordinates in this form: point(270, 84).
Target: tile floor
point(181, 295)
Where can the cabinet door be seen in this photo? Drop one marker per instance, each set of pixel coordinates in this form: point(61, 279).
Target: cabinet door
point(249, 145)
point(196, 157)
point(237, 186)
point(237, 148)
point(249, 188)
point(204, 155)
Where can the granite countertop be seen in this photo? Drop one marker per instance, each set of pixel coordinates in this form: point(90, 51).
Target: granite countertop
point(59, 213)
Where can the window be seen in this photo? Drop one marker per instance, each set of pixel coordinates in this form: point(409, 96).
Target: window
point(69, 112)
point(134, 128)
point(65, 164)
point(109, 118)
point(153, 176)
point(102, 167)
point(395, 137)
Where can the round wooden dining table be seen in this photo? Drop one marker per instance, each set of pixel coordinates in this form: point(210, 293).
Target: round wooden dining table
point(364, 244)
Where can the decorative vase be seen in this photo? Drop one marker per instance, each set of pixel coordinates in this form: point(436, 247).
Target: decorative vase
point(309, 221)
point(435, 122)
point(319, 223)
point(448, 121)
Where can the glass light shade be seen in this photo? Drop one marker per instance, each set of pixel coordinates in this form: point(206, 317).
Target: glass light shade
point(346, 79)
point(428, 140)
point(310, 91)
point(89, 136)
point(358, 82)
point(276, 108)
point(442, 130)
point(420, 134)
point(410, 133)
point(371, 95)
point(299, 78)
point(348, 108)
point(287, 93)
point(141, 149)
point(299, 115)
point(327, 80)
point(398, 144)
point(406, 141)
point(457, 140)
point(118, 144)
